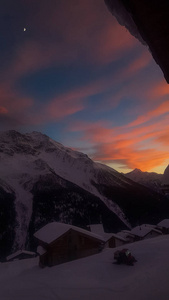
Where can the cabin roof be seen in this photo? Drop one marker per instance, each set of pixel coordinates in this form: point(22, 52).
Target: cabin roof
point(108, 236)
point(143, 230)
point(17, 253)
point(54, 230)
point(164, 223)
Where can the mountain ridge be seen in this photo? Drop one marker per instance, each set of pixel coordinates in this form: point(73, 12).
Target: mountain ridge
point(152, 180)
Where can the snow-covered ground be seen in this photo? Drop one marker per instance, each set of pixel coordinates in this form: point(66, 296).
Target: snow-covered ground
point(93, 278)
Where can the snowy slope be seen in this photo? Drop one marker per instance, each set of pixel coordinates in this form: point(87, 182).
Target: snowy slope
point(94, 277)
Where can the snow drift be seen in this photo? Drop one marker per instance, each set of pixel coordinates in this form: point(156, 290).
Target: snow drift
point(94, 277)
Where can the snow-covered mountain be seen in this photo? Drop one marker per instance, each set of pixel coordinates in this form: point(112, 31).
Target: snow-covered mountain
point(151, 180)
point(43, 181)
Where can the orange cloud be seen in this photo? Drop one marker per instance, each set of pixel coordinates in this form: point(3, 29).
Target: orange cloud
point(145, 159)
point(159, 90)
point(136, 148)
point(163, 138)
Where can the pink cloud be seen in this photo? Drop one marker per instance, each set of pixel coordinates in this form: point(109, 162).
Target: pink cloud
point(13, 101)
point(157, 112)
point(141, 62)
point(136, 148)
point(86, 31)
point(3, 110)
point(160, 89)
point(108, 46)
point(80, 31)
point(14, 107)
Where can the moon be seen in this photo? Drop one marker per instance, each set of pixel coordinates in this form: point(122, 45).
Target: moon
point(24, 29)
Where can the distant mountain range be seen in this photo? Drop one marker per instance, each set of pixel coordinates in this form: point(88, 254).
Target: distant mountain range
point(152, 180)
point(43, 181)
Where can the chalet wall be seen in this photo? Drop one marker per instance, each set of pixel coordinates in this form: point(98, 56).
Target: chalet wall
point(70, 246)
point(114, 242)
point(119, 242)
point(111, 243)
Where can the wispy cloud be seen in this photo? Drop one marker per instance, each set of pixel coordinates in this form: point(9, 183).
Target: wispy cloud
point(162, 109)
point(141, 147)
point(76, 33)
point(3, 110)
point(159, 90)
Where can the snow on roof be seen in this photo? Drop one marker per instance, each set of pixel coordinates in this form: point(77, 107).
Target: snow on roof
point(126, 232)
point(164, 223)
point(149, 225)
point(97, 228)
point(126, 235)
point(143, 230)
point(108, 236)
point(54, 230)
point(11, 256)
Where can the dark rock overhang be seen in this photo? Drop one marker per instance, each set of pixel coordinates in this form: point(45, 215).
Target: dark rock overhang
point(151, 19)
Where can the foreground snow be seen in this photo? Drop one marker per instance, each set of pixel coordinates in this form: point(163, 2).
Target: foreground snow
point(93, 278)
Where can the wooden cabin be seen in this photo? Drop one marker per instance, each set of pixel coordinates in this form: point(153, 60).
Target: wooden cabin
point(114, 240)
point(126, 234)
point(145, 231)
point(61, 243)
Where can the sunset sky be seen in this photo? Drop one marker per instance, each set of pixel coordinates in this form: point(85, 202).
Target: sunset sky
point(78, 76)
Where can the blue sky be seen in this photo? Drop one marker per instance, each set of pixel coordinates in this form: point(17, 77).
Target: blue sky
point(78, 76)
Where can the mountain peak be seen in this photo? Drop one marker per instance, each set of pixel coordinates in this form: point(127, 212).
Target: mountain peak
point(166, 170)
point(137, 170)
point(10, 134)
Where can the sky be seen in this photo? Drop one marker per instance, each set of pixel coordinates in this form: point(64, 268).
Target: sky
point(69, 70)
